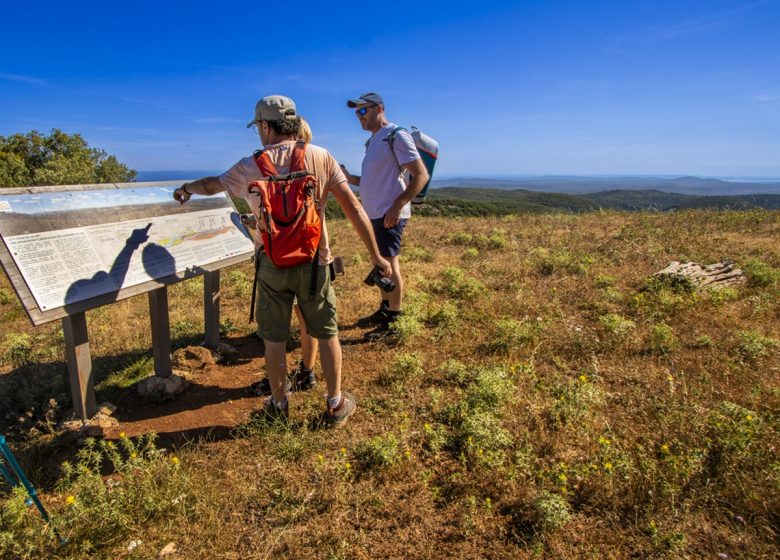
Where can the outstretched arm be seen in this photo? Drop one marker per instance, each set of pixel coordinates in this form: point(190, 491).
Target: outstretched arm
point(359, 220)
point(206, 186)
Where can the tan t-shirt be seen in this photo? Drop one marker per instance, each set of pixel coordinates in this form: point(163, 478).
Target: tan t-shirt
point(319, 162)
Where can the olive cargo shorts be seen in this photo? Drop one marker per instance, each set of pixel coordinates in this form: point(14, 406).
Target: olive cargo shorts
point(279, 287)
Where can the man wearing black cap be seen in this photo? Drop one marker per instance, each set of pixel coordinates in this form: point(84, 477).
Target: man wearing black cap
point(392, 175)
point(278, 124)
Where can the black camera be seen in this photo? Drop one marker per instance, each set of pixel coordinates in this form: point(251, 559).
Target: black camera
point(375, 278)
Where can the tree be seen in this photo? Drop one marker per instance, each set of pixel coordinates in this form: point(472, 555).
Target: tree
point(58, 159)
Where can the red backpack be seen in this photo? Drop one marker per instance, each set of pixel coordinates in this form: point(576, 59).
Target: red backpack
point(289, 210)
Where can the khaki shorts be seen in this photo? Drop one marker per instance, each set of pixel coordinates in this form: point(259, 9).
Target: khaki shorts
point(277, 288)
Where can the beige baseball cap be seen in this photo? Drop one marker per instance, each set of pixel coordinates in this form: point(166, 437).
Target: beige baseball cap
point(274, 108)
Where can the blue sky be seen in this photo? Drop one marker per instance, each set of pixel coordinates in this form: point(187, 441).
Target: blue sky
point(507, 88)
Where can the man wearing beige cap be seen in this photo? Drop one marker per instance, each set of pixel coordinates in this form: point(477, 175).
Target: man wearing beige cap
point(278, 124)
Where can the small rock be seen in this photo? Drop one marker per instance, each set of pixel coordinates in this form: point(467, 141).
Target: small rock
point(103, 421)
point(133, 545)
point(107, 408)
point(167, 550)
point(52, 411)
point(72, 425)
point(193, 357)
point(156, 387)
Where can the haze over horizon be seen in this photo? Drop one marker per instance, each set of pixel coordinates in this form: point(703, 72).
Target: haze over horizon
point(509, 89)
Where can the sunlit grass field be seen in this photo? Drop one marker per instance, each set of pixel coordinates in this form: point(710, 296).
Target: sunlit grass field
point(546, 400)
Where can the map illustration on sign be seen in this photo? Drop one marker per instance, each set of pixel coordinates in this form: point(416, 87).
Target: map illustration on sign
point(74, 245)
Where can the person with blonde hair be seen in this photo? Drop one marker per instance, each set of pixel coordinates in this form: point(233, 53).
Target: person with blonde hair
point(277, 122)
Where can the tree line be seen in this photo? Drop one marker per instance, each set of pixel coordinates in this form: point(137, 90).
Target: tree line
point(34, 159)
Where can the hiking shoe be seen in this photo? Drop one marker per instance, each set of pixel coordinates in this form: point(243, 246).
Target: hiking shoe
point(335, 417)
point(272, 413)
point(302, 379)
point(378, 317)
point(262, 388)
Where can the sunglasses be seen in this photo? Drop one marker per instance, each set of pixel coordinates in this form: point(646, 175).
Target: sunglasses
point(363, 110)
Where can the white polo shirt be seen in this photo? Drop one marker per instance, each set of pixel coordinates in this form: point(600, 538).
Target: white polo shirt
point(381, 182)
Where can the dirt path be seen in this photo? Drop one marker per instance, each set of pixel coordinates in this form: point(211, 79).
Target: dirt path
point(217, 400)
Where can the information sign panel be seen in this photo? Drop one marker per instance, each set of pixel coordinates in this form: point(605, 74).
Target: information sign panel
point(71, 246)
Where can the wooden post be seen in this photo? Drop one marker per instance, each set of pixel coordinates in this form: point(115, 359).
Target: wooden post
point(211, 308)
point(161, 331)
point(82, 388)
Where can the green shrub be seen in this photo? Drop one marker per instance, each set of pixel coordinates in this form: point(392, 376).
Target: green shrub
point(238, 281)
point(456, 372)
point(420, 254)
point(19, 350)
point(378, 453)
point(734, 428)
point(547, 263)
point(445, 319)
point(470, 254)
point(662, 338)
point(759, 274)
point(404, 368)
point(407, 326)
point(721, 295)
point(573, 401)
point(754, 345)
point(5, 296)
point(703, 341)
point(460, 238)
point(490, 390)
point(482, 439)
point(511, 335)
point(552, 512)
point(496, 241)
point(616, 325)
point(149, 486)
point(453, 282)
point(605, 281)
point(435, 437)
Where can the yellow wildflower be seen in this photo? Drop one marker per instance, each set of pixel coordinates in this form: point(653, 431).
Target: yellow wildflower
point(70, 500)
point(608, 466)
point(665, 449)
point(583, 378)
point(122, 435)
point(175, 460)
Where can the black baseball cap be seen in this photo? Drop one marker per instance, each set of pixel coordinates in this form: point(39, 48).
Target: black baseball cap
point(366, 99)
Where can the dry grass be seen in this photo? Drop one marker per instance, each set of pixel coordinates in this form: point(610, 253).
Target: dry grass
point(519, 419)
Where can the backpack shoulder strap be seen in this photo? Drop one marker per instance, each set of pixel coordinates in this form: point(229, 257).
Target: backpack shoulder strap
point(390, 139)
point(298, 157)
point(264, 163)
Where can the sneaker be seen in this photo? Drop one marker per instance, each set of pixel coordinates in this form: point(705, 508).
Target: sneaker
point(302, 379)
point(272, 413)
point(378, 317)
point(262, 388)
point(335, 417)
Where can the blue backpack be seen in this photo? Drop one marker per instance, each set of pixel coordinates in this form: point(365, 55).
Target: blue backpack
point(427, 147)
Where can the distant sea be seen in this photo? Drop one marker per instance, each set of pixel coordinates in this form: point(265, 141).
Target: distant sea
point(175, 175)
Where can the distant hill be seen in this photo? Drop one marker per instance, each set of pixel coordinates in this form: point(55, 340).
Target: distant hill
point(582, 185)
point(462, 201)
